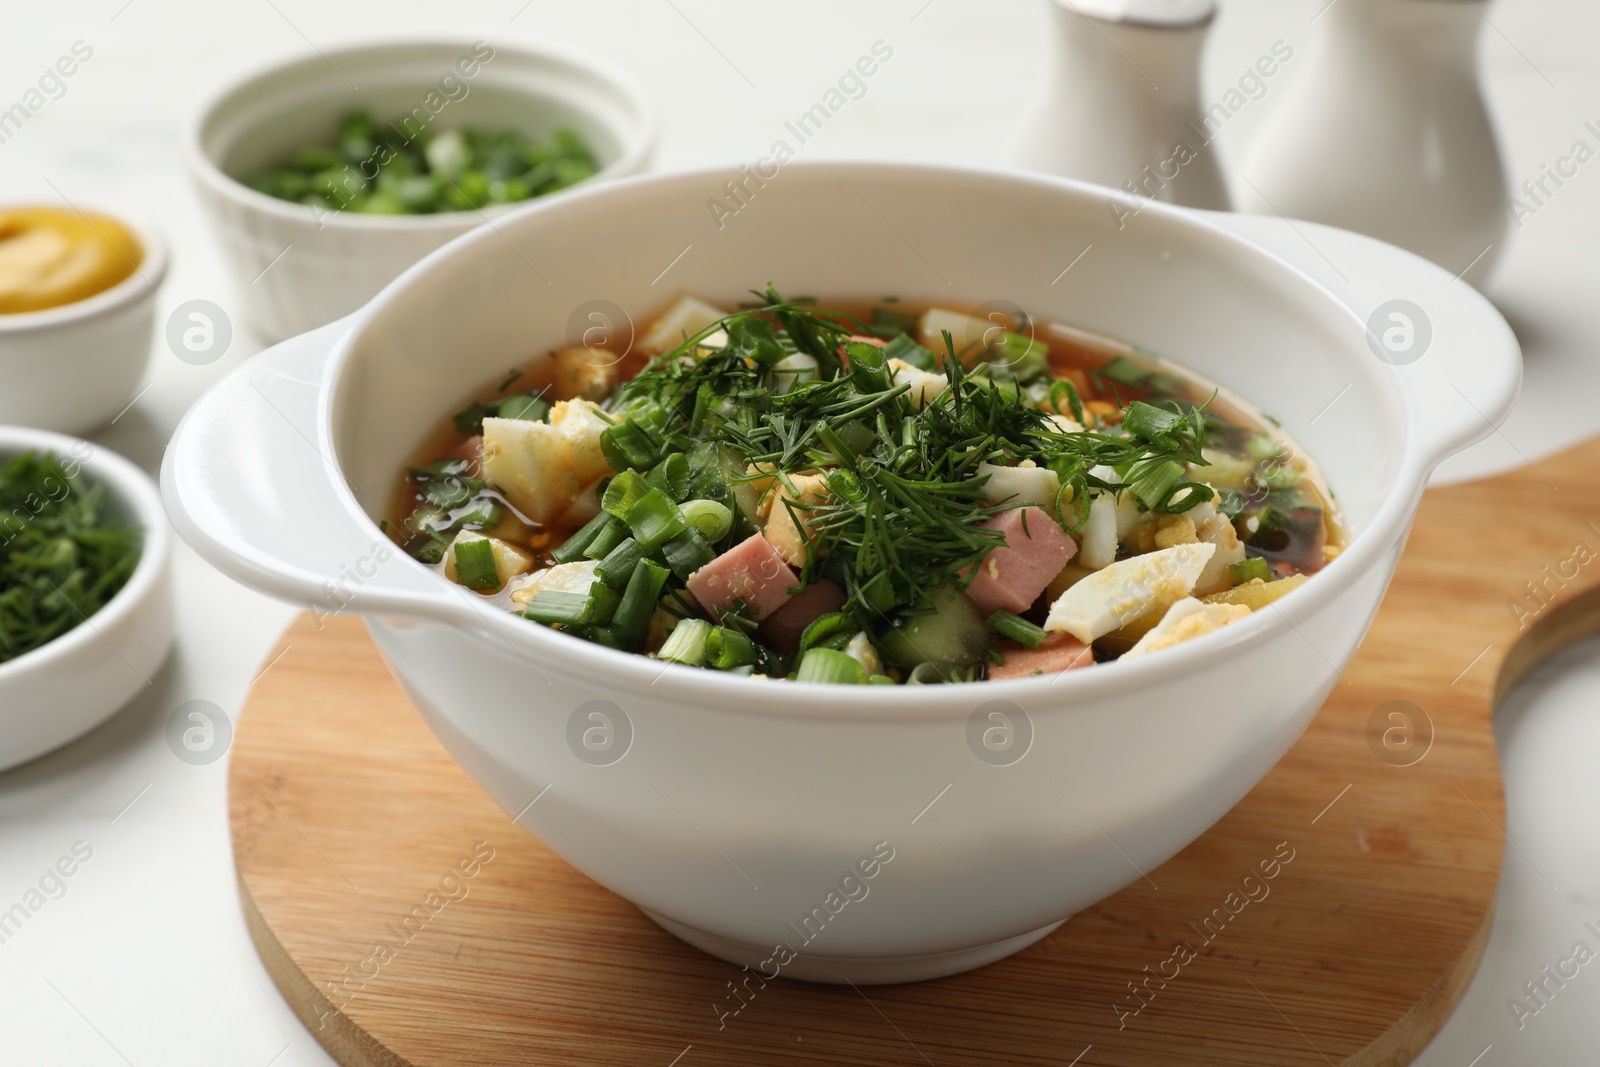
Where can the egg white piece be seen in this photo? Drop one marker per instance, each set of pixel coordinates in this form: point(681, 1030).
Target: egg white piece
point(543, 467)
point(679, 323)
point(562, 578)
point(1097, 541)
point(965, 331)
point(1184, 621)
point(925, 385)
point(1020, 485)
point(1117, 594)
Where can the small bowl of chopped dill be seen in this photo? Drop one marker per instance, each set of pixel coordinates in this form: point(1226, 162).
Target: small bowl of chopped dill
point(327, 175)
point(85, 594)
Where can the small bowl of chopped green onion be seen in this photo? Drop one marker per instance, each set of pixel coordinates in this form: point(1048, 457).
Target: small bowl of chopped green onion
point(86, 612)
point(327, 176)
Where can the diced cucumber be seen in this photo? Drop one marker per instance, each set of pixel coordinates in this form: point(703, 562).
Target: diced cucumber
point(947, 628)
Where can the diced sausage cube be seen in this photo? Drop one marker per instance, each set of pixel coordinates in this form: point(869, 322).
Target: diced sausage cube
point(751, 574)
point(1057, 652)
point(783, 628)
point(1011, 578)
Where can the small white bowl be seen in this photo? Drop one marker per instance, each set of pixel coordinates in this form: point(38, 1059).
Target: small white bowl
point(62, 690)
point(296, 268)
point(71, 368)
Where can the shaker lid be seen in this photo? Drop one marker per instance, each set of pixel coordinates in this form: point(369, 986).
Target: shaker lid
point(1156, 13)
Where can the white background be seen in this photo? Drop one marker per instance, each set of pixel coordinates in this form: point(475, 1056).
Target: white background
point(146, 962)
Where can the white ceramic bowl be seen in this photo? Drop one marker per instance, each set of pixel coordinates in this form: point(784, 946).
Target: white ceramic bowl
point(64, 689)
point(737, 807)
point(295, 268)
point(74, 367)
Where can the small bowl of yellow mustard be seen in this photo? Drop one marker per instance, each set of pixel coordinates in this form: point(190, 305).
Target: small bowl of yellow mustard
point(77, 313)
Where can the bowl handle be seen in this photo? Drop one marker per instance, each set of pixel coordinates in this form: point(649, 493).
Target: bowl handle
point(1444, 346)
point(249, 482)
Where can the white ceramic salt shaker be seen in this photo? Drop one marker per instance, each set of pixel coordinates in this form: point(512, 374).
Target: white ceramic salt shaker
point(1121, 105)
point(1386, 133)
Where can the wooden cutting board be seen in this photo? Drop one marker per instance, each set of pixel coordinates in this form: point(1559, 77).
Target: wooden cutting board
point(347, 816)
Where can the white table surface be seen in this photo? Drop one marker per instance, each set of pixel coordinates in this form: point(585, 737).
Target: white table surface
point(145, 960)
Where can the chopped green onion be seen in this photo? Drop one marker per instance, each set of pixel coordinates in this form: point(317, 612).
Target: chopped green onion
point(603, 602)
point(1260, 447)
point(617, 567)
point(654, 520)
point(828, 628)
point(632, 616)
point(671, 476)
point(525, 407)
point(571, 609)
point(629, 444)
point(829, 667)
point(1186, 496)
point(607, 539)
point(1148, 421)
point(869, 367)
point(687, 552)
point(1017, 628)
point(687, 643)
point(623, 492)
point(1231, 503)
point(1022, 356)
point(1124, 371)
point(605, 635)
point(1278, 476)
point(906, 350)
point(727, 649)
point(1062, 389)
point(880, 679)
point(475, 567)
point(550, 606)
point(712, 519)
point(1153, 483)
point(426, 547)
point(1248, 569)
point(470, 418)
point(571, 550)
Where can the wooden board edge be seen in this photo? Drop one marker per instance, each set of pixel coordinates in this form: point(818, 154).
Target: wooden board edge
point(1403, 1042)
point(340, 1037)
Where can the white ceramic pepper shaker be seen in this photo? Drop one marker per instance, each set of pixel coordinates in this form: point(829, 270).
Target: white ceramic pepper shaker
point(1386, 133)
point(1121, 105)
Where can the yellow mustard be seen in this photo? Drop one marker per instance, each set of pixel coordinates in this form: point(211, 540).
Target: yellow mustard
point(51, 257)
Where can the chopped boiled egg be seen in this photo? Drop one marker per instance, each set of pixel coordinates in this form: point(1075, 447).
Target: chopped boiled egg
point(1213, 527)
point(679, 323)
point(1025, 483)
point(586, 507)
point(1120, 592)
point(862, 651)
point(585, 372)
point(925, 385)
point(1097, 541)
point(562, 578)
point(1184, 621)
point(787, 535)
point(509, 561)
point(966, 332)
point(543, 467)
